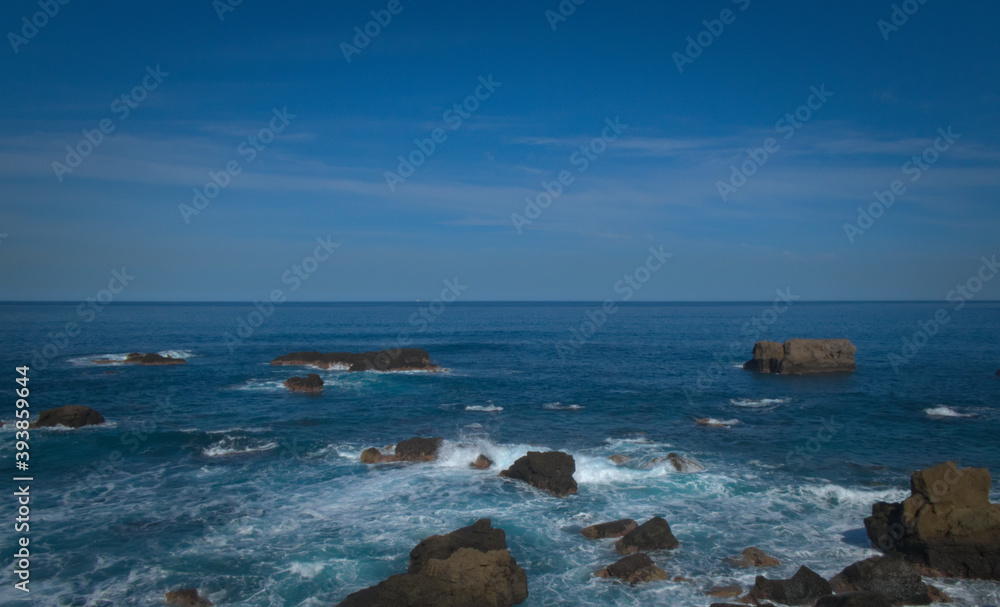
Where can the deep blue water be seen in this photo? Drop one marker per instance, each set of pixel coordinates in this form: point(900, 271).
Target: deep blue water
point(212, 475)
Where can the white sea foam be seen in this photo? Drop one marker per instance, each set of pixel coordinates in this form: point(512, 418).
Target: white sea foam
point(557, 406)
point(760, 403)
point(235, 445)
point(490, 408)
point(946, 411)
point(711, 421)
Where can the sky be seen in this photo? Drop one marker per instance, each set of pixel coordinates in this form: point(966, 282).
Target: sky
point(528, 150)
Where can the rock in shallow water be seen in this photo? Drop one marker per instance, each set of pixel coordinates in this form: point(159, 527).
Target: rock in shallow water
point(309, 383)
point(71, 416)
point(611, 529)
point(854, 599)
point(550, 471)
point(802, 357)
point(803, 588)
point(404, 359)
point(634, 569)
point(410, 450)
point(470, 567)
point(753, 557)
point(947, 526)
point(482, 463)
point(187, 597)
point(654, 534)
point(894, 578)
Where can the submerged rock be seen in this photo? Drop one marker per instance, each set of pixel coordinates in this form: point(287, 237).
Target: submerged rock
point(550, 471)
point(611, 529)
point(404, 359)
point(634, 569)
point(802, 357)
point(654, 534)
point(468, 567)
point(187, 597)
point(71, 416)
point(309, 383)
point(753, 557)
point(947, 527)
point(803, 588)
point(683, 464)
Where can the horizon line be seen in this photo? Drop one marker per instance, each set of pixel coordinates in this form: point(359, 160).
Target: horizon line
point(483, 301)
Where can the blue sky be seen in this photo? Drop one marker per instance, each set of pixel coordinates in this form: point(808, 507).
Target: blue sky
point(656, 183)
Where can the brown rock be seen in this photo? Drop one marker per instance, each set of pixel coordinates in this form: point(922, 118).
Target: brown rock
point(310, 383)
point(634, 569)
point(612, 529)
point(371, 456)
point(71, 416)
point(753, 557)
point(724, 592)
point(187, 597)
point(654, 534)
point(683, 464)
point(482, 463)
point(803, 357)
point(619, 459)
point(418, 449)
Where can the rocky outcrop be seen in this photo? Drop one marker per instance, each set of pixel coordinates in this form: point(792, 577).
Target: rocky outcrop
point(311, 383)
point(895, 579)
point(482, 463)
point(550, 471)
point(151, 359)
point(654, 534)
point(947, 527)
point(612, 529)
point(854, 599)
point(634, 569)
point(187, 597)
point(71, 416)
point(803, 588)
point(802, 357)
point(410, 450)
point(724, 592)
point(404, 359)
point(753, 557)
point(470, 567)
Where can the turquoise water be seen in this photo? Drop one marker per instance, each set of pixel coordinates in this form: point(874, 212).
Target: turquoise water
point(212, 475)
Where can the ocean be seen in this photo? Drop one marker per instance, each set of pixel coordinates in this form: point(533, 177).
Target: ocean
point(212, 475)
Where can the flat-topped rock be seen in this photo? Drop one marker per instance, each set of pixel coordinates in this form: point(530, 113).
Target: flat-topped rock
point(947, 527)
point(803, 357)
point(150, 359)
point(410, 450)
point(550, 471)
point(310, 383)
point(404, 359)
point(71, 416)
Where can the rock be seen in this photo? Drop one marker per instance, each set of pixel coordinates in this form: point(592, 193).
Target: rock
point(683, 464)
point(612, 529)
point(634, 569)
point(724, 592)
point(894, 578)
point(403, 359)
point(309, 383)
point(619, 459)
point(753, 557)
point(71, 416)
point(947, 527)
point(468, 567)
point(482, 463)
point(371, 456)
point(187, 597)
point(418, 449)
point(802, 356)
point(937, 595)
point(550, 471)
point(654, 534)
point(854, 599)
point(802, 588)
point(152, 360)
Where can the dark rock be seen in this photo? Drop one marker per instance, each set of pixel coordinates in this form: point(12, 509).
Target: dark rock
point(947, 527)
point(802, 588)
point(611, 529)
point(151, 359)
point(802, 356)
point(482, 463)
point(654, 534)
point(309, 383)
point(683, 464)
point(550, 471)
point(187, 597)
point(854, 599)
point(71, 416)
point(724, 592)
point(619, 459)
point(404, 359)
point(753, 557)
point(466, 568)
point(418, 449)
point(634, 569)
point(892, 577)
